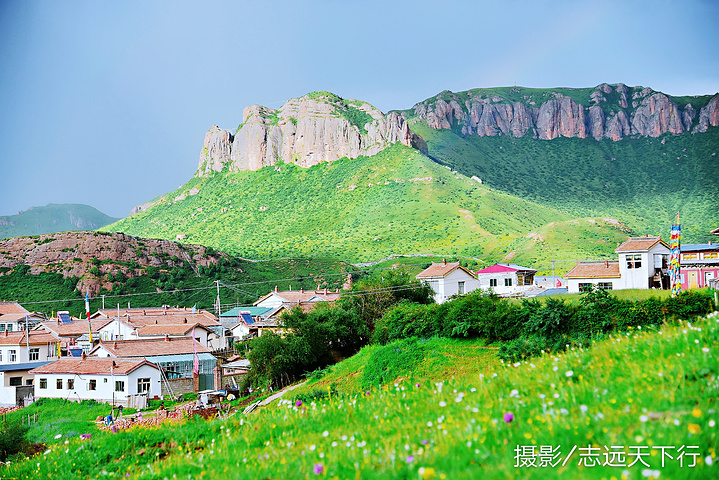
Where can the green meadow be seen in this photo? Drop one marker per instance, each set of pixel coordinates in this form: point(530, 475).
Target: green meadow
point(639, 404)
point(395, 202)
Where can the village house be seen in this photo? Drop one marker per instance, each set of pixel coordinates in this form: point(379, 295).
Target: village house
point(248, 315)
point(175, 357)
point(69, 332)
point(447, 279)
point(140, 323)
point(506, 279)
point(588, 275)
point(699, 265)
point(109, 380)
point(14, 317)
point(293, 298)
point(16, 383)
point(643, 263)
point(24, 347)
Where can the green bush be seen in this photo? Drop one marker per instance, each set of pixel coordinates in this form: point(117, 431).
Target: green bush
point(12, 438)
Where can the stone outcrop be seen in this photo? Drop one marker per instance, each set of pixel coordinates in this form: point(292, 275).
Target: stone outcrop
point(77, 253)
point(304, 131)
point(708, 115)
point(612, 111)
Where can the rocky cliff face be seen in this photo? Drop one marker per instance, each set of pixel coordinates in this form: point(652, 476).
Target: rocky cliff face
point(610, 111)
point(319, 127)
point(80, 253)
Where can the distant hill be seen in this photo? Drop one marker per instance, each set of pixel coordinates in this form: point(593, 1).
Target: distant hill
point(39, 271)
point(53, 218)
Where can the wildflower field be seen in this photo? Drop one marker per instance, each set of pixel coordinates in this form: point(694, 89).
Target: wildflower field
point(640, 404)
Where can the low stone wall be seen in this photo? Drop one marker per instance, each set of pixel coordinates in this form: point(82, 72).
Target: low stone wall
point(178, 385)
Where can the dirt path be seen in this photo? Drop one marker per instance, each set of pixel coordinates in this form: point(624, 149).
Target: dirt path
point(277, 395)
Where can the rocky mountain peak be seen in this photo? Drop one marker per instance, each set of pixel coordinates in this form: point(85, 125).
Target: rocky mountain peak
point(606, 111)
point(318, 127)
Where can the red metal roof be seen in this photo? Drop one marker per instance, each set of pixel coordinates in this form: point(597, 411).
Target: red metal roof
point(505, 267)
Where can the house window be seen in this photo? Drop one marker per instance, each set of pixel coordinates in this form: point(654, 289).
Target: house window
point(13, 356)
point(634, 261)
point(460, 288)
point(143, 385)
point(492, 282)
point(58, 384)
point(507, 282)
point(0, 355)
point(15, 381)
point(43, 383)
point(34, 354)
point(711, 255)
point(119, 386)
point(70, 384)
point(690, 256)
point(605, 285)
point(585, 287)
point(92, 384)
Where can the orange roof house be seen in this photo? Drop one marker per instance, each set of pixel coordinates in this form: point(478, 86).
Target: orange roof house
point(448, 279)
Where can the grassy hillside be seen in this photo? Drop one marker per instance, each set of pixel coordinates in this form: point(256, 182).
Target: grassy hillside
point(397, 201)
point(652, 393)
point(641, 181)
point(53, 218)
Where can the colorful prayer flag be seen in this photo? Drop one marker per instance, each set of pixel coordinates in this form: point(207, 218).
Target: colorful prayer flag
point(674, 261)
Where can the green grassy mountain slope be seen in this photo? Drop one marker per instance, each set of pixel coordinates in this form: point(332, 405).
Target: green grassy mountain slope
point(53, 218)
point(643, 181)
point(397, 201)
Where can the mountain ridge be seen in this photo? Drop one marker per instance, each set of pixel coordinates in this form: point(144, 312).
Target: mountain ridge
point(606, 111)
point(53, 218)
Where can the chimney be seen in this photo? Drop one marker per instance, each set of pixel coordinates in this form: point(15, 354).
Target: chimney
point(167, 338)
point(444, 261)
point(185, 321)
point(325, 290)
point(302, 290)
point(606, 263)
point(144, 313)
point(84, 357)
point(114, 346)
point(276, 288)
point(290, 287)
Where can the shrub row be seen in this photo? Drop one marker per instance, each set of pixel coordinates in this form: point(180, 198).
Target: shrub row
point(528, 327)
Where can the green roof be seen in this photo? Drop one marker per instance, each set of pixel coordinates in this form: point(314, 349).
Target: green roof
point(254, 311)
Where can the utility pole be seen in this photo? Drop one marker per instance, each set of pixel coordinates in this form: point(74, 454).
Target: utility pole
point(219, 309)
point(552, 269)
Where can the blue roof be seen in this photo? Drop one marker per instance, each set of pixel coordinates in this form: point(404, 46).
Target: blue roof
point(700, 247)
point(12, 367)
point(254, 311)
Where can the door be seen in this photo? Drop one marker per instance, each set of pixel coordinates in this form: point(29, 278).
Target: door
point(707, 277)
point(693, 279)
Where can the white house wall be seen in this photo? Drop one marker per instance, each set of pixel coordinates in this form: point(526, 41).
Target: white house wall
point(449, 285)
point(105, 385)
point(573, 283)
point(112, 331)
point(47, 352)
point(639, 277)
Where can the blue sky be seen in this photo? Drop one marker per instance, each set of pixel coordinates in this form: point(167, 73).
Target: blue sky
point(107, 103)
